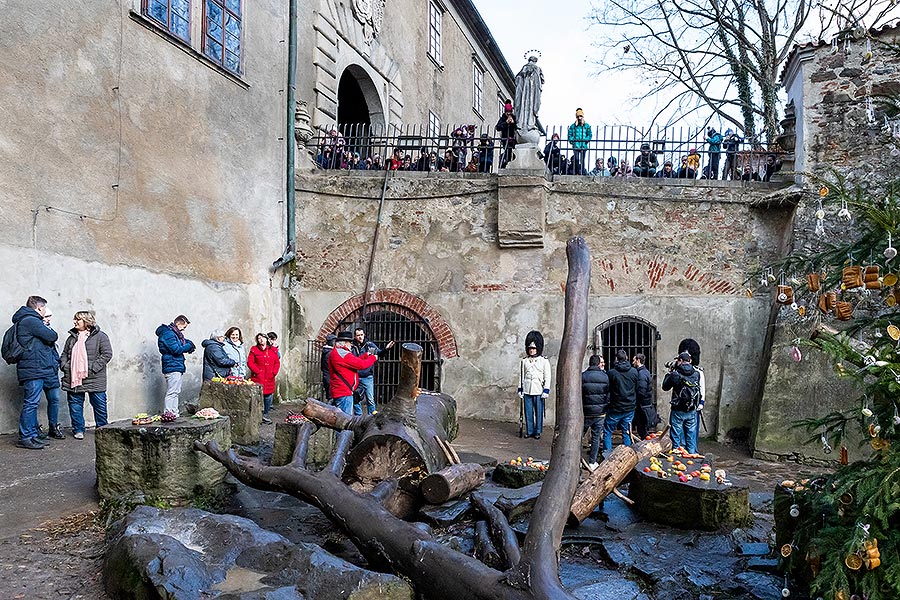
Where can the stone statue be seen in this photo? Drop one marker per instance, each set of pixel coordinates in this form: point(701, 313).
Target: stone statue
point(527, 103)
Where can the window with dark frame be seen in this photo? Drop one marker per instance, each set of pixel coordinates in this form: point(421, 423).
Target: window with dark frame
point(477, 87)
point(435, 16)
point(172, 15)
point(222, 29)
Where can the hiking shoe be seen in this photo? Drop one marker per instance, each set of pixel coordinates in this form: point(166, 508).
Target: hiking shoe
point(30, 444)
point(266, 420)
point(593, 466)
point(78, 435)
point(56, 432)
point(41, 434)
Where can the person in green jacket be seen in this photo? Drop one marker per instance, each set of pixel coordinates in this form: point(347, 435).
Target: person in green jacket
point(714, 139)
point(579, 135)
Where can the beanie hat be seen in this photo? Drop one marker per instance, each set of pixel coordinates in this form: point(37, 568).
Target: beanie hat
point(579, 112)
point(507, 107)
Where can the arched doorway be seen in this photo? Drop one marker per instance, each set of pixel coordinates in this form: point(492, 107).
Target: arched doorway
point(359, 112)
point(385, 322)
point(629, 333)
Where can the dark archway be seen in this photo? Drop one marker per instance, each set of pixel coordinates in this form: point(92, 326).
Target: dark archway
point(352, 106)
point(629, 333)
point(385, 322)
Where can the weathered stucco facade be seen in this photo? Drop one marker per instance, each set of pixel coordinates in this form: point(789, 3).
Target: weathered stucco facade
point(675, 254)
point(141, 180)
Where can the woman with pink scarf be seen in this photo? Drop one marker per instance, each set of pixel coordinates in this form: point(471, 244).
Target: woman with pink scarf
point(83, 363)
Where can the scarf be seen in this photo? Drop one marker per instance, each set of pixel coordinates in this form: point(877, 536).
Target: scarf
point(178, 333)
point(79, 365)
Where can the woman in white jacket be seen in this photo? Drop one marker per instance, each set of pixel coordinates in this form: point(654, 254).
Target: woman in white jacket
point(534, 383)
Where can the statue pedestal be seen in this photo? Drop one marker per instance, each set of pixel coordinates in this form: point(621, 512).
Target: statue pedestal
point(521, 208)
point(242, 403)
point(159, 460)
point(526, 162)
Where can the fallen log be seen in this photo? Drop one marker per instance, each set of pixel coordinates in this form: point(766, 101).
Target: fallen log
point(451, 482)
point(614, 468)
point(485, 550)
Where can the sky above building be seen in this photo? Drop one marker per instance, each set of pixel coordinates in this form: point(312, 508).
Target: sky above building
point(573, 78)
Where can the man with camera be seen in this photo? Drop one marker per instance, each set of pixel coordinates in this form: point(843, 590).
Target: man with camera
point(684, 381)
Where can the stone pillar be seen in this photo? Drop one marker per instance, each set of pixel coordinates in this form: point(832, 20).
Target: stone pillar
point(521, 211)
point(320, 445)
point(159, 460)
point(241, 403)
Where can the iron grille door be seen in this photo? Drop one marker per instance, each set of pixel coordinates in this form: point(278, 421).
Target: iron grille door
point(629, 333)
point(314, 388)
point(385, 322)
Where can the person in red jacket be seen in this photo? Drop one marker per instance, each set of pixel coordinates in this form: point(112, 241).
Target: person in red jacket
point(263, 364)
point(345, 369)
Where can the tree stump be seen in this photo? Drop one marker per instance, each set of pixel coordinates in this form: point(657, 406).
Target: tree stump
point(241, 403)
point(321, 445)
point(159, 460)
point(697, 504)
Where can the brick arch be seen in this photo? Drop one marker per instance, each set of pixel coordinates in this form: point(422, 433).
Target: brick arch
point(439, 327)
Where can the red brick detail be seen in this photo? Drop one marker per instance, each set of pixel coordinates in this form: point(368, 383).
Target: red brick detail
point(415, 305)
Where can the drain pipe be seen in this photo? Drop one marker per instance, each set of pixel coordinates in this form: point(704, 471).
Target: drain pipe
point(290, 186)
point(365, 305)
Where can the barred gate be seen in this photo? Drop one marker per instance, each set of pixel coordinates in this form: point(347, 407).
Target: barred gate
point(629, 333)
point(384, 322)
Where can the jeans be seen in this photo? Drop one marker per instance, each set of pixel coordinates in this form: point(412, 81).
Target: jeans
point(76, 409)
point(579, 156)
point(595, 424)
point(267, 403)
point(683, 424)
point(534, 414)
point(366, 391)
point(173, 391)
point(345, 403)
point(617, 421)
point(32, 388)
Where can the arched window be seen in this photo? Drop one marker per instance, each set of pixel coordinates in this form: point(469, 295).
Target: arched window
point(629, 333)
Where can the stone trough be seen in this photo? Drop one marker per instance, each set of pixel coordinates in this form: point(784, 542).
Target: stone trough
point(697, 504)
point(159, 460)
point(241, 403)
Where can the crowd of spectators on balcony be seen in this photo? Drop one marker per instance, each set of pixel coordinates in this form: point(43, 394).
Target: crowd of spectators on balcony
point(466, 151)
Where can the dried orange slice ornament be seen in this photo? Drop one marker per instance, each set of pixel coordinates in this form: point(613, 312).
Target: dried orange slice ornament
point(786, 550)
point(853, 562)
point(823, 191)
point(890, 300)
point(894, 332)
point(889, 280)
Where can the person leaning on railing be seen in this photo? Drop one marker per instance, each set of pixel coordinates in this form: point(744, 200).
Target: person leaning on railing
point(507, 127)
point(645, 163)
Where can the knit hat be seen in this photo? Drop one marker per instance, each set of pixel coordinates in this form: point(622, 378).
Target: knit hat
point(579, 112)
point(507, 107)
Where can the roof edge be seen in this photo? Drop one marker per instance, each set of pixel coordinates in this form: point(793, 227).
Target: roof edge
point(485, 39)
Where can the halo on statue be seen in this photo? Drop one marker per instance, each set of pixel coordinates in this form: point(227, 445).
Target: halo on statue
point(530, 53)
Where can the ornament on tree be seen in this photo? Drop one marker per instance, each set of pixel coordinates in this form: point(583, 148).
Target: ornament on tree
point(852, 277)
point(844, 214)
point(845, 457)
point(871, 278)
point(795, 353)
point(826, 447)
point(794, 510)
point(843, 311)
point(813, 282)
point(889, 280)
point(827, 301)
point(785, 295)
point(890, 252)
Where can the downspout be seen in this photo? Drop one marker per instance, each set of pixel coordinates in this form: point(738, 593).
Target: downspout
point(290, 187)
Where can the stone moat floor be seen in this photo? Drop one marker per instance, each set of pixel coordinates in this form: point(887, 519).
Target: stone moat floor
point(52, 534)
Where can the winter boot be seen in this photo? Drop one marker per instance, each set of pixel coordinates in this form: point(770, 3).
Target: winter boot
point(56, 432)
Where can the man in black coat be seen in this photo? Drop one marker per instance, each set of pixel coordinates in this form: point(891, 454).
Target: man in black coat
point(645, 416)
point(37, 369)
point(216, 362)
point(623, 383)
point(594, 400)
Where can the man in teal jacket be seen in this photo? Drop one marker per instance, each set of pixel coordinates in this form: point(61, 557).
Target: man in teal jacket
point(579, 135)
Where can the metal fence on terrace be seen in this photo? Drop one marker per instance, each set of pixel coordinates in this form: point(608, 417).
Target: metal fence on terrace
point(611, 150)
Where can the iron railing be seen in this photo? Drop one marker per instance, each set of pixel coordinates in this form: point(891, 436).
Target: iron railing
point(621, 150)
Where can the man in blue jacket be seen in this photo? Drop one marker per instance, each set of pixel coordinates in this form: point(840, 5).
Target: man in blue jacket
point(172, 346)
point(37, 369)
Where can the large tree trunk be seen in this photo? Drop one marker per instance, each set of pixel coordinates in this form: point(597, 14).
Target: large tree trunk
point(611, 472)
point(437, 571)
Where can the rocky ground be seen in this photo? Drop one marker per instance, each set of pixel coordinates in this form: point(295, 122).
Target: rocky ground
point(52, 537)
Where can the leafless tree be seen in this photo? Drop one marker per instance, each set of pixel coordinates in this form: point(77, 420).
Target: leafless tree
point(722, 56)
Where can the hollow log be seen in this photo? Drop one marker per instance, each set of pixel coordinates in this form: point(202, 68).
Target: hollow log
point(451, 482)
point(614, 468)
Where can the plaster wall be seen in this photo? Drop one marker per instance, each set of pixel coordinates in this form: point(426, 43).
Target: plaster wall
point(138, 180)
point(676, 255)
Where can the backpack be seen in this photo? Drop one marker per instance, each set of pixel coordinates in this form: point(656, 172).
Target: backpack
point(688, 397)
point(12, 350)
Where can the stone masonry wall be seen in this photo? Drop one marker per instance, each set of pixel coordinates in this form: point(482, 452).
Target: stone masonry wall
point(676, 254)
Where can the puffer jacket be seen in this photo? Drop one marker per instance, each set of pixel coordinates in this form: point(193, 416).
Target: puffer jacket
point(264, 366)
point(644, 387)
point(99, 353)
point(623, 382)
point(40, 359)
point(236, 353)
point(172, 350)
point(594, 391)
point(216, 362)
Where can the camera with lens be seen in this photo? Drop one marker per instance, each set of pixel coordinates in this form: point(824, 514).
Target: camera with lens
point(672, 364)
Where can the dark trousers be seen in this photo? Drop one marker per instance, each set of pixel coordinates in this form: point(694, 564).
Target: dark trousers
point(595, 424)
